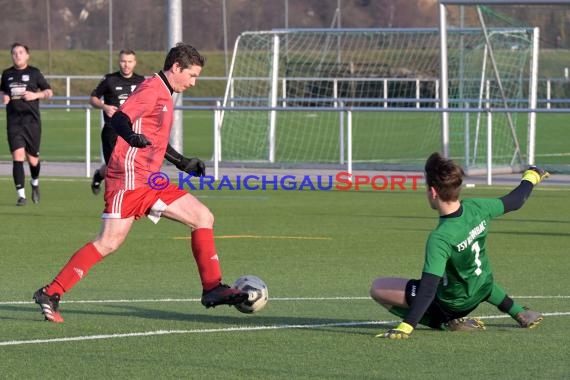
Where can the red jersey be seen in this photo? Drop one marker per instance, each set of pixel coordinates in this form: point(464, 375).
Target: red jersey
point(150, 109)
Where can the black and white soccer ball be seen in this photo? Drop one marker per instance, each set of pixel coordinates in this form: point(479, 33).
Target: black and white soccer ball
point(257, 293)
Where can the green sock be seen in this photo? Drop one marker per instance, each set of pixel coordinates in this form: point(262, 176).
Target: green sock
point(515, 309)
point(497, 295)
point(503, 302)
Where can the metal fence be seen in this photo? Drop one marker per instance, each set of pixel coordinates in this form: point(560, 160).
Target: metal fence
point(552, 92)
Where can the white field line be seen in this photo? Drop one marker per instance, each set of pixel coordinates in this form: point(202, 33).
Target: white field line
point(227, 329)
point(336, 298)
point(561, 186)
point(50, 179)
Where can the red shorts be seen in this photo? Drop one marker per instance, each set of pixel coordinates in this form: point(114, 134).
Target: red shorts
point(122, 204)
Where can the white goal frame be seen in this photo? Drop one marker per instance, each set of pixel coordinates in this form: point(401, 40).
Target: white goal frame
point(443, 95)
point(444, 91)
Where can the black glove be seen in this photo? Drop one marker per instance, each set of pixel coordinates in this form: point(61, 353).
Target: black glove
point(193, 166)
point(137, 140)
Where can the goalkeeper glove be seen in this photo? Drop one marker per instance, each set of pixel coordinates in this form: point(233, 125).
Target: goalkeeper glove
point(403, 331)
point(193, 166)
point(137, 140)
point(534, 175)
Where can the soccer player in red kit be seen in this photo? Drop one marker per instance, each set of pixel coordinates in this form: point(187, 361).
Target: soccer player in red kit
point(144, 122)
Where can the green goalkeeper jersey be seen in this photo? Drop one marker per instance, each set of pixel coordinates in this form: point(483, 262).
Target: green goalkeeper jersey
point(456, 251)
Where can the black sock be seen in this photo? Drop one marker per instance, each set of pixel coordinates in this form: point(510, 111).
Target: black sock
point(35, 171)
point(506, 304)
point(18, 174)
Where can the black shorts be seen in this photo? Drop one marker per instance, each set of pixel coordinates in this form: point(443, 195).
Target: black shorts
point(108, 141)
point(27, 134)
point(436, 312)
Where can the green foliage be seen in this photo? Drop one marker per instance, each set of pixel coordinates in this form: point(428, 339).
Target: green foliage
point(319, 322)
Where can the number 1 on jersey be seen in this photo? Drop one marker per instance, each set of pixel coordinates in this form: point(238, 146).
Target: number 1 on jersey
point(476, 249)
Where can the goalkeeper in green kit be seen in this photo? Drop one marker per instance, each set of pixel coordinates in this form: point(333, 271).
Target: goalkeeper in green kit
point(457, 275)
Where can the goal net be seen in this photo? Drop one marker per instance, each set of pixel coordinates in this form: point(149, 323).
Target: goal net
point(496, 130)
point(288, 92)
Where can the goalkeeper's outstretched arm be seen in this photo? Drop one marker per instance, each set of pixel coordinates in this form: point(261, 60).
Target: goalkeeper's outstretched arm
point(516, 198)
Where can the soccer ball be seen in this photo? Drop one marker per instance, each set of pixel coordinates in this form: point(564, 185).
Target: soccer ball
point(258, 294)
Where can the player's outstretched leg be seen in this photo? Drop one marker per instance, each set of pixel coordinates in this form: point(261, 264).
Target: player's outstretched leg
point(223, 295)
point(49, 305)
point(529, 319)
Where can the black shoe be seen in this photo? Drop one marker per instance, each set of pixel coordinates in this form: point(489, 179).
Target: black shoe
point(36, 194)
point(223, 295)
point(21, 201)
point(95, 183)
point(49, 305)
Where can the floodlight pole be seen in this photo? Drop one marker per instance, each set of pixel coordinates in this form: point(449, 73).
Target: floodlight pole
point(110, 36)
point(174, 22)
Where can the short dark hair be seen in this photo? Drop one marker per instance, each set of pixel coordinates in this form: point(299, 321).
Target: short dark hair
point(445, 176)
point(16, 44)
point(185, 55)
point(127, 52)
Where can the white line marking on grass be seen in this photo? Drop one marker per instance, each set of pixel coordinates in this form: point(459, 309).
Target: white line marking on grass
point(50, 179)
point(192, 331)
point(552, 314)
point(235, 197)
point(552, 154)
point(227, 329)
point(540, 297)
point(482, 186)
point(336, 298)
point(553, 185)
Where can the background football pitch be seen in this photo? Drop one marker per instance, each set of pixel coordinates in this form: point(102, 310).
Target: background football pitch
point(63, 137)
point(137, 314)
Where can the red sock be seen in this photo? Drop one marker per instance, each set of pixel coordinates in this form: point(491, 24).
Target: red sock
point(204, 250)
point(75, 269)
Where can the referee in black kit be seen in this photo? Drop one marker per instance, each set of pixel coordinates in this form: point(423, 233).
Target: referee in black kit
point(22, 86)
point(108, 96)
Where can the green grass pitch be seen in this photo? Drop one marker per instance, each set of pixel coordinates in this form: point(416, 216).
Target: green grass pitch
point(137, 315)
